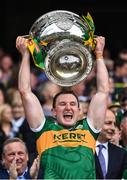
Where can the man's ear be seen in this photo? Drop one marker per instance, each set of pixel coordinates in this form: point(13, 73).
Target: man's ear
point(3, 161)
point(53, 111)
point(27, 157)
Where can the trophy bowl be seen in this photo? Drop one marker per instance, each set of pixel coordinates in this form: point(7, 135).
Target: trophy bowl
point(63, 46)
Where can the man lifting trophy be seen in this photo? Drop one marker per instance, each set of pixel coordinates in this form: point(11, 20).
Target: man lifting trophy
point(61, 44)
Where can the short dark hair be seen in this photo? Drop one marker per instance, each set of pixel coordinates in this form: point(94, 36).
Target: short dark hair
point(62, 93)
point(12, 140)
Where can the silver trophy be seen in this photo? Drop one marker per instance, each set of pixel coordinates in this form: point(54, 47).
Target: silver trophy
point(62, 44)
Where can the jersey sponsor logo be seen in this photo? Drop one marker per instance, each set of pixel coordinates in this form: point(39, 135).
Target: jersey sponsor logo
point(65, 138)
point(72, 137)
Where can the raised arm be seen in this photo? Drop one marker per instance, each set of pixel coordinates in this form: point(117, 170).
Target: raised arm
point(32, 106)
point(98, 105)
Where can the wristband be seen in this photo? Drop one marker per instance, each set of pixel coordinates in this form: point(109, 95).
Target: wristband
point(99, 55)
point(101, 58)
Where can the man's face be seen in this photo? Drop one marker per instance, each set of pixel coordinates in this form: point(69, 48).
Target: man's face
point(116, 137)
point(108, 129)
point(15, 151)
point(66, 110)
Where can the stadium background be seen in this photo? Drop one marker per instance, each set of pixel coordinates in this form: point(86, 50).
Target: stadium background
point(110, 18)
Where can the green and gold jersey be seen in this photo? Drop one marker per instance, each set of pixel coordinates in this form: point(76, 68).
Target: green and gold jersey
point(67, 154)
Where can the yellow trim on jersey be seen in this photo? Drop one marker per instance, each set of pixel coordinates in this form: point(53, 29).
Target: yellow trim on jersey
point(66, 138)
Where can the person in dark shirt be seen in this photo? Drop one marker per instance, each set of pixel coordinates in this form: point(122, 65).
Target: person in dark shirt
point(15, 161)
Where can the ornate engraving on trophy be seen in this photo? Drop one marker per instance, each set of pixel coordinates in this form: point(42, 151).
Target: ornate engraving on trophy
point(66, 46)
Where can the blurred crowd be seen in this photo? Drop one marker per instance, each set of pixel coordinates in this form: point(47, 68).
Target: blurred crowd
point(12, 115)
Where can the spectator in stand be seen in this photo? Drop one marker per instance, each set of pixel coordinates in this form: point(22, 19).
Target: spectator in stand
point(120, 73)
point(84, 105)
point(47, 91)
point(5, 124)
point(15, 161)
point(6, 66)
point(114, 164)
point(20, 127)
point(116, 138)
point(123, 127)
point(114, 107)
point(6, 119)
point(123, 100)
point(18, 113)
point(109, 62)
